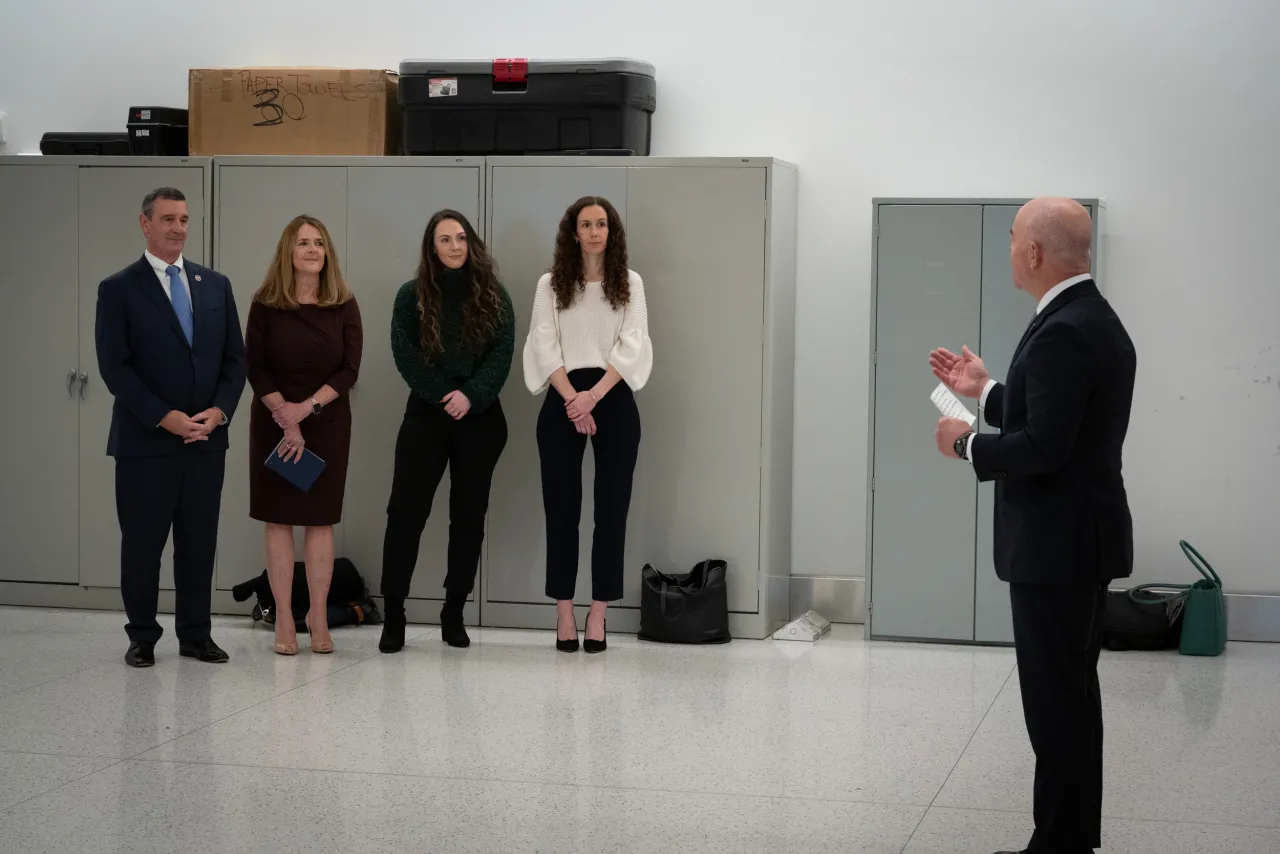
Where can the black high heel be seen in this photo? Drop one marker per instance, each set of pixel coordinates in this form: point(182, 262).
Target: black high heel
point(589, 645)
point(567, 645)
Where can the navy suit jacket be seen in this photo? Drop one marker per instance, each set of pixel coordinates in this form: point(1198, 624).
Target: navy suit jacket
point(1061, 511)
point(147, 364)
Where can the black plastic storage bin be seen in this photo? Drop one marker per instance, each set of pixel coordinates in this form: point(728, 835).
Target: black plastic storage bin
point(93, 142)
point(158, 131)
point(516, 106)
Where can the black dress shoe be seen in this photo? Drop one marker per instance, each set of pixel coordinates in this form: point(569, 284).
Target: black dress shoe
point(568, 645)
point(205, 650)
point(140, 654)
point(452, 631)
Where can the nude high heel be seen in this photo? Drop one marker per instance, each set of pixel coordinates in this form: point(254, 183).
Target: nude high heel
point(322, 647)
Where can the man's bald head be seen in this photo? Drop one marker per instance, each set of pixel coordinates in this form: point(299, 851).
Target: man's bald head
point(1050, 242)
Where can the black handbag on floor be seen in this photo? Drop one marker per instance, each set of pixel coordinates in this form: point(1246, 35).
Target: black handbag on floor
point(1149, 624)
point(689, 608)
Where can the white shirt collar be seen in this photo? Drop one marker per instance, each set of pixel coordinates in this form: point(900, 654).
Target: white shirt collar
point(1059, 288)
point(159, 266)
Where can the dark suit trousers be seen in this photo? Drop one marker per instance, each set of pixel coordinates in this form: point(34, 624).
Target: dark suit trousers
point(560, 450)
point(1057, 633)
point(431, 440)
point(182, 492)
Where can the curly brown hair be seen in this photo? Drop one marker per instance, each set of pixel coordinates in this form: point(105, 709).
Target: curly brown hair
point(567, 279)
point(482, 306)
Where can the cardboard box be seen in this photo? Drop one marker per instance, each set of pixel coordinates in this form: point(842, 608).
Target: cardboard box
point(293, 111)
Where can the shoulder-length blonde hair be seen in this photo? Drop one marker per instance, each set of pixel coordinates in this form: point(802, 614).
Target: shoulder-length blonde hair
point(279, 289)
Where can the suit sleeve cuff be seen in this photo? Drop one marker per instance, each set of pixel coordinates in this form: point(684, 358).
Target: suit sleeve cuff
point(968, 448)
point(982, 401)
point(223, 422)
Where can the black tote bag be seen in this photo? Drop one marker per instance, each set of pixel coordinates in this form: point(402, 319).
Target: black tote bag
point(688, 608)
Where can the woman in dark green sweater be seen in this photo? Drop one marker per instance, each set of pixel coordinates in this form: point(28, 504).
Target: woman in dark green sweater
point(452, 335)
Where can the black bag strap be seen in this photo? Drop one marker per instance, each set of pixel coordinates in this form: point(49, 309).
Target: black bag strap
point(685, 584)
point(1136, 595)
point(662, 601)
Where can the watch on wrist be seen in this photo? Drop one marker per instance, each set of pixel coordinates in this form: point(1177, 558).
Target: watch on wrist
point(962, 445)
point(315, 407)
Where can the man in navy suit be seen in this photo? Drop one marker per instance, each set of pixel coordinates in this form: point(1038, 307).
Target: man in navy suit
point(171, 352)
point(1062, 524)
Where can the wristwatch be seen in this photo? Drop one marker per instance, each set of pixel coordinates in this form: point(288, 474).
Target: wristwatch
point(315, 407)
point(962, 445)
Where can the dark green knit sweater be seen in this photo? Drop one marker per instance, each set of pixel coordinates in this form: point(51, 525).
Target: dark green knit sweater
point(482, 374)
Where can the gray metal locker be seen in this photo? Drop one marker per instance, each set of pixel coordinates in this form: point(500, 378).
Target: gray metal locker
point(940, 277)
point(75, 219)
point(1005, 314)
point(38, 330)
point(525, 204)
point(714, 241)
point(387, 212)
point(376, 210)
point(255, 202)
point(929, 265)
point(111, 239)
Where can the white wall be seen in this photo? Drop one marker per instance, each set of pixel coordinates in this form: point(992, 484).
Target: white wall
point(1168, 108)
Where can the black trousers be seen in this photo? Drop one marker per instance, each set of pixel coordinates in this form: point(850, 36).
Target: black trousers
point(154, 495)
point(429, 441)
point(1058, 635)
point(560, 449)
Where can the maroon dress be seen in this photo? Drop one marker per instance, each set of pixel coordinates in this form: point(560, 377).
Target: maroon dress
point(295, 352)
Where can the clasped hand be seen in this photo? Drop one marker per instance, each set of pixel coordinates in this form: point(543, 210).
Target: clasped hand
point(578, 407)
point(288, 415)
point(192, 428)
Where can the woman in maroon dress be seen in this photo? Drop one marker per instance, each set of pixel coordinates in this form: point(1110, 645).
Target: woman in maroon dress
point(304, 341)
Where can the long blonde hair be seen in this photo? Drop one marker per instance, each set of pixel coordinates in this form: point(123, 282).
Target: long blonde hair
point(279, 289)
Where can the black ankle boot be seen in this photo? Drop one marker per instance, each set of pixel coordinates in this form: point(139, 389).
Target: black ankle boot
point(452, 631)
point(392, 625)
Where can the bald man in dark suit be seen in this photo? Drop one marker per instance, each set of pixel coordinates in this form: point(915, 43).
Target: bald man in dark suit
point(1062, 525)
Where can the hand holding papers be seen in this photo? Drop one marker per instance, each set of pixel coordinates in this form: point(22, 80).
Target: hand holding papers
point(950, 406)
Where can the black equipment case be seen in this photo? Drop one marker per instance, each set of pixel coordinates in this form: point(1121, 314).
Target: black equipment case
point(158, 131)
point(517, 106)
point(93, 142)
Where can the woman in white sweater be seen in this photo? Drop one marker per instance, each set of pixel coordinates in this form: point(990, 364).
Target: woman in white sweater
point(589, 349)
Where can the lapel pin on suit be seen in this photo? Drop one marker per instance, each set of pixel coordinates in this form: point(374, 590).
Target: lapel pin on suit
point(197, 277)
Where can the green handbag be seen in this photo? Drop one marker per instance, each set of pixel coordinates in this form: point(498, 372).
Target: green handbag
point(1204, 617)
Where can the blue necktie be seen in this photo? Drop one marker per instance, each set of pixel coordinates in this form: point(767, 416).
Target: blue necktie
point(181, 302)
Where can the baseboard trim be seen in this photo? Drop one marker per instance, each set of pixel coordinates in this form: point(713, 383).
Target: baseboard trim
point(838, 599)
point(1251, 618)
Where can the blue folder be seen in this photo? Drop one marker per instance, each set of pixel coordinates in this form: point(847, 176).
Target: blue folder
point(302, 473)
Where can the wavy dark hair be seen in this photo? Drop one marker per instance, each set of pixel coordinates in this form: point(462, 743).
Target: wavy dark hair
point(482, 305)
point(567, 279)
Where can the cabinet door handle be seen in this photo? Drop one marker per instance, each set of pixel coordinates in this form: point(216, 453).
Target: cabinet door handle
point(71, 380)
point(84, 380)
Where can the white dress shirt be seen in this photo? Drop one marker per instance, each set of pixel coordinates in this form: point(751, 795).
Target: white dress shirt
point(162, 274)
point(1049, 296)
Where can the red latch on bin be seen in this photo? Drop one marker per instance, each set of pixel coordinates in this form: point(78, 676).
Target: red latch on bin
point(510, 70)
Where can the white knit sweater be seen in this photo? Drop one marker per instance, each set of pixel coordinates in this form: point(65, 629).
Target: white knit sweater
point(590, 333)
